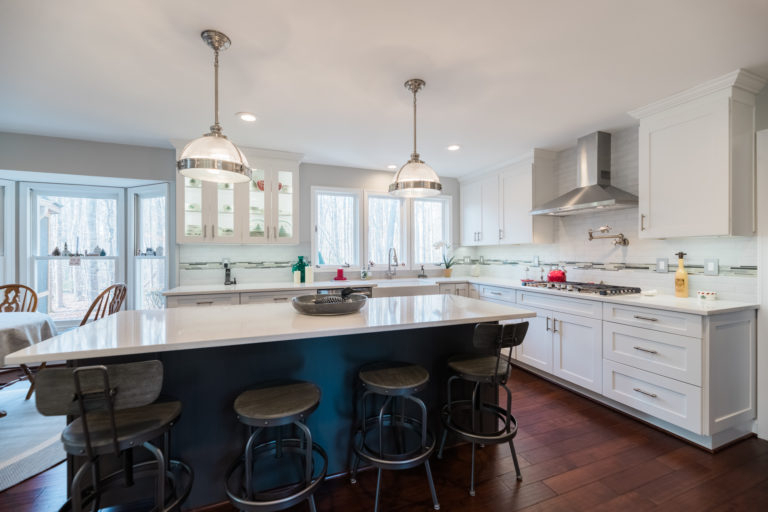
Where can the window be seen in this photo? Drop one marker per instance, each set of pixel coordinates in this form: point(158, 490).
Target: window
point(148, 239)
point(431, 224)
point(336, 221)
point(69, 220)
point(7, 234)
point(386, 228)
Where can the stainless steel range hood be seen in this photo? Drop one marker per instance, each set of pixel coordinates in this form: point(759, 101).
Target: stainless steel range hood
point(594, 192)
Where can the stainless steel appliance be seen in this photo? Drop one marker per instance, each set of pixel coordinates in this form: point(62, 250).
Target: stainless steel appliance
point(594, 288)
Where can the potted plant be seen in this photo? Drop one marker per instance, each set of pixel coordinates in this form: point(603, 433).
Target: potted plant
point(447, 262)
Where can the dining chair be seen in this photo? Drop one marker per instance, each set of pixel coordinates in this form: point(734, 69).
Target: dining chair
point(109, 301)
point(17, 298)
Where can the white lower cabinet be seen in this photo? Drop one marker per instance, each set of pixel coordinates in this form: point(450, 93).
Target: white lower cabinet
point(668, 399)
point(536, 349)
point(578, 350)
point(270, 297)
point(211, 299)
point(461, 289)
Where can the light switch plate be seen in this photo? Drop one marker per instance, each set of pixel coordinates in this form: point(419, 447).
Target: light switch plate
point(711, 267)
point(535, 261)
point(662, 265)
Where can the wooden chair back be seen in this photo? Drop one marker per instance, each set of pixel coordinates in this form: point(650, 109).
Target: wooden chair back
point(17, 298)
point(124, 385)
point(109, 301)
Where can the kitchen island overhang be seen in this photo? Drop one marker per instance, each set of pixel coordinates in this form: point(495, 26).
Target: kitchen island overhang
point(212, 354)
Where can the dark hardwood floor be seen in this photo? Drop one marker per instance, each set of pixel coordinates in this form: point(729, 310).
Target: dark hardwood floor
point(575, 455)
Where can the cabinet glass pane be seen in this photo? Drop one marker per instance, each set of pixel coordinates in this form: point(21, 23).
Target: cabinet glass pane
point(256, 206)
point(285, 204)
point(225, 204)
point(193, 207)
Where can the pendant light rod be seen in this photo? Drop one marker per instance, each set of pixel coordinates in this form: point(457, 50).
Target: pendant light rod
point(414, 85)
point(218, 42)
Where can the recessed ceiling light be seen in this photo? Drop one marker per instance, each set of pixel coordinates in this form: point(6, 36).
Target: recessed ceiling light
point(453, 147)
point(392, 166)
point(246, 116)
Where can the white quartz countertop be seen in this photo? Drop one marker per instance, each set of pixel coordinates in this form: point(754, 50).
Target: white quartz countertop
point(667, 302)
point(139, 332)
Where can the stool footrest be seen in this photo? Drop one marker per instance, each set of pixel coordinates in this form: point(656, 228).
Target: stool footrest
point(495, 437)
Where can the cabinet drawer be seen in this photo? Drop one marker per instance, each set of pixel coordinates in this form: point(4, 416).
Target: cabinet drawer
point(270, 298)
point(656, 319)
point(580, 307)
point(667, 399)
point(216, 299)
point(670, 355)
point(495, 293)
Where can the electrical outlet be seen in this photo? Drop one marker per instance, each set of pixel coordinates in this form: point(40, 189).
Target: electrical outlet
point(535, 261)
point(711, 267)
point(662, 265)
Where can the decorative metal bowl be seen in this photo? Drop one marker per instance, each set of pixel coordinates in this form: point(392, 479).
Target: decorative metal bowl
point(328, 304)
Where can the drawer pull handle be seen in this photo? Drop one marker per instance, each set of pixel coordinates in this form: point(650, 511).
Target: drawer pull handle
point(280, 299)
point(652, 395)
point(548, 323)
point(554, 325)
point(649, 318)
point(495, 293)
point(204, 302)
point(641, 349)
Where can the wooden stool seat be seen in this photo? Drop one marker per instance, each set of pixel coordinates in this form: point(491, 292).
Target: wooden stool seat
point(277, 404)
point(393, 378)
point(478, 369)
point(134, 427)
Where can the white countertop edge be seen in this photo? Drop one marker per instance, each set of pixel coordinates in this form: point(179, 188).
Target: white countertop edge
point(23, 357)
point(690, 305)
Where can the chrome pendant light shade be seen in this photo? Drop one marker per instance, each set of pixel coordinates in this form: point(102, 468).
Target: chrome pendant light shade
point(213, 157)
point(415, 178)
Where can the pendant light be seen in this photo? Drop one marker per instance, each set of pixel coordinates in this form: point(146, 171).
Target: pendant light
point(415, 178)
point(213, 157)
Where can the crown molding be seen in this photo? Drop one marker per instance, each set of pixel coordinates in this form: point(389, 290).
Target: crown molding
point(739, 79)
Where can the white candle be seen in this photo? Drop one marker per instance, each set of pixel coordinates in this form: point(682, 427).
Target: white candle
point(296, 277)
point(309, 275)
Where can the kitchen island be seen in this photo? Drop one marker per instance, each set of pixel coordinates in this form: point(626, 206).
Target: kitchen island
point(212, 354)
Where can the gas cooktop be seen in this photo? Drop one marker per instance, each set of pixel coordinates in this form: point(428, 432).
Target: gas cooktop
point(599, 289)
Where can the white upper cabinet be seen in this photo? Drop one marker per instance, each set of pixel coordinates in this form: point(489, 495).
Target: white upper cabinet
point(696, 160)
point(262, 211)
point(495, 209)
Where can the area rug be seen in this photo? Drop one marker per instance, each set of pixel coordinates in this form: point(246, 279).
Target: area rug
point(29, 442)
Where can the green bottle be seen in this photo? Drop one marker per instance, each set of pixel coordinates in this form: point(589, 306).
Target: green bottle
point(300, 266)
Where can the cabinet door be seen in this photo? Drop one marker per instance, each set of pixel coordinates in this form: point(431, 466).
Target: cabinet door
point(225, 213)
point(471, 213)
point(447, 289)
point(462, 289)
point(190, 214)
point(684, 171)
point(474, 292)
point(489, 216)
point(536, 349)
point(285, 207)
point(258, 204)
point(578, 350)
point(517, 192)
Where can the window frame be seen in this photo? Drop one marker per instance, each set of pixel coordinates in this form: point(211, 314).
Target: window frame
point(405, 231)
point(132, 249)
point(28, 192)
point(359, 222)
point(447, 202)
point(8, 257)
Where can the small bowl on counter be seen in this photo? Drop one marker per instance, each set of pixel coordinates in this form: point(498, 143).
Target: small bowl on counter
point(705, 295)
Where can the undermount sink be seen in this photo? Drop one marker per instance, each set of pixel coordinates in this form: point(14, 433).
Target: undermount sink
point(405, 287)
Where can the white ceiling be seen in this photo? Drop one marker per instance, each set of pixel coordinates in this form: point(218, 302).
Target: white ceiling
point(325, 77)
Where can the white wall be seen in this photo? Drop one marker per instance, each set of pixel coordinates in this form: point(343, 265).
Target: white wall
point(571, 242)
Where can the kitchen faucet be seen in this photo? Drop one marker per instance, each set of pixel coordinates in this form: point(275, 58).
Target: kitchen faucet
point(391, 259)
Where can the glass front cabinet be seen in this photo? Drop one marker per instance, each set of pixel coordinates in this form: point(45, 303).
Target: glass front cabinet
point(262, 211)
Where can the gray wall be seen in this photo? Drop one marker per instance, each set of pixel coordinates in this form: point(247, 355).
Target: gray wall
point(20, 152)
point(761, 116)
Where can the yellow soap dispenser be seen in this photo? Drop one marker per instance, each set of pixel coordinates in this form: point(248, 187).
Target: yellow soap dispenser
point(681, 277)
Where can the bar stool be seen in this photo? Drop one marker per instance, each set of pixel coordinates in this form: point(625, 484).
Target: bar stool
point(393, 440)
point(269, 409)
point(484, 370)
point(115, 412)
